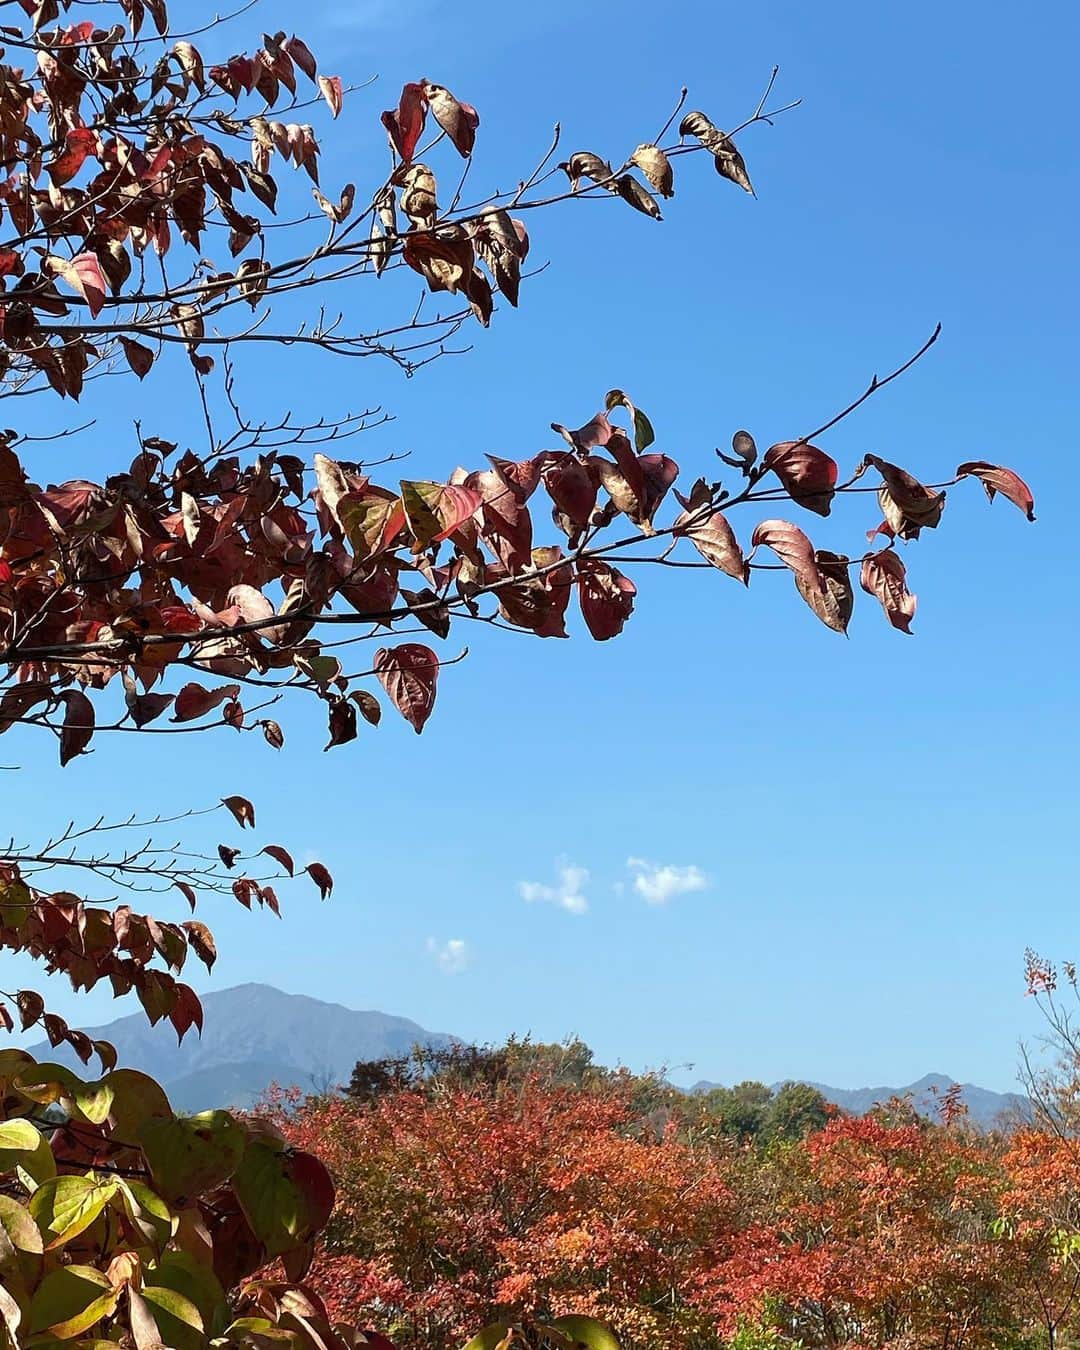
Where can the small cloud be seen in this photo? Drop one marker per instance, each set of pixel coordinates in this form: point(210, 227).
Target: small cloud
point(452, 956)
point(658, 884)
point(566, 894)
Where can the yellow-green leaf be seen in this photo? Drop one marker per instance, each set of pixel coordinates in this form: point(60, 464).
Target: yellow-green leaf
point(192, 1154)
point(71, 1300)
point(18, 1138)
point(64, 1207)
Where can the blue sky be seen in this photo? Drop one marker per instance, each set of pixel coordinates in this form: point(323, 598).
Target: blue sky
point(868, 832)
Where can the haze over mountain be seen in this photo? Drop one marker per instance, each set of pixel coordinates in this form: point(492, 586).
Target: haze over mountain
point(256, 1035)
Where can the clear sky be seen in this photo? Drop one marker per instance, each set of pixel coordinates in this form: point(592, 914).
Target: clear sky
point(868, 832)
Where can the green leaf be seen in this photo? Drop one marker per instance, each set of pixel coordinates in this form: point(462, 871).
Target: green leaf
point(46, 1083)
point(586, 1331)
point(93, 1101)
point(259, 1331)
point(180, 1271)
point(64, 1207)
point(177, 1318)
point(70, 1301)
point(192, 1154)
point(147, 1211)
point(18, 1138)
point(35, 1168)
point(643, 429)
point(20, 1244)
point(15, 903)
point(286, 1196)
point(137, 1098)
point(491, 1337)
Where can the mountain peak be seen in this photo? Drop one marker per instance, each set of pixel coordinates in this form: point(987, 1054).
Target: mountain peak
point(255, 1034)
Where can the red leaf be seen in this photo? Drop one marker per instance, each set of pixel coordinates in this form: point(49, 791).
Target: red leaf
point(409, 674)
point(78, 725)
point(186, 891)
point(202, 941)
point(139, 357)
point(908, 505)
point(242, 809)
point(302, 54)
point(195, 701)
point(186, 1012)
point(996, 479)
point(30, 1005)
point(272, 733)
point(280, 855)
point(607, 599)
point(83, 274)
point(78, 143)
point(715, 540)
point(330, 88)
point(809, 475)
point(406, 124)
point(573, 490)
point(884, 576)
point(436, 510)
point(821, 578)
point(321, 877)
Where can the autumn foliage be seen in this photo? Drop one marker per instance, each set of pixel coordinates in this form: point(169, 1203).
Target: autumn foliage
point(463, 1202)
point(163, 208)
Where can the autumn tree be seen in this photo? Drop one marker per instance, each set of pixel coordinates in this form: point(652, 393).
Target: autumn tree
point(155, 228)
point(871, 1233)
point(458, 1204)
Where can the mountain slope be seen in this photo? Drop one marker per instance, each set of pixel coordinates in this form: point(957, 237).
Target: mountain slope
point(985, 1108)
point(254, 1035)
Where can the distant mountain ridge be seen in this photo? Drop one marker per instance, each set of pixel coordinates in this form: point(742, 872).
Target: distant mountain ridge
point(985, 1108)
point(254, 1035)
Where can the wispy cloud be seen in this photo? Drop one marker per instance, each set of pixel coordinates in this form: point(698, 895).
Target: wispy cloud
point(567, 893)
point(659, 883)
point(452, 956)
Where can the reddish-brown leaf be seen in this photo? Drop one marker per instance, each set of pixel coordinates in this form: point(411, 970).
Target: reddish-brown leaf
point(242, 809)
point(458, 120)
point(715, 540)
point(31, 1007)
point(996, 479)
point(808, 474)
point(321, 877)
point(196, 701)
point(78, 725)
point(607, 599)
point(139, 357)
point(405, 124)
point(884, 576)
point(202, 942)
point(186, 1011)
point(409, 673)
point(280, 855)
point(908, 505)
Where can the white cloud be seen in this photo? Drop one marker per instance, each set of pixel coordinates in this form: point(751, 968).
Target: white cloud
point(452, 956)
point(658, 884)
point(566, 893)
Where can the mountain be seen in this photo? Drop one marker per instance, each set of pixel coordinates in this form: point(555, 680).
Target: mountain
point(985, 1108)
point(254, 1035)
